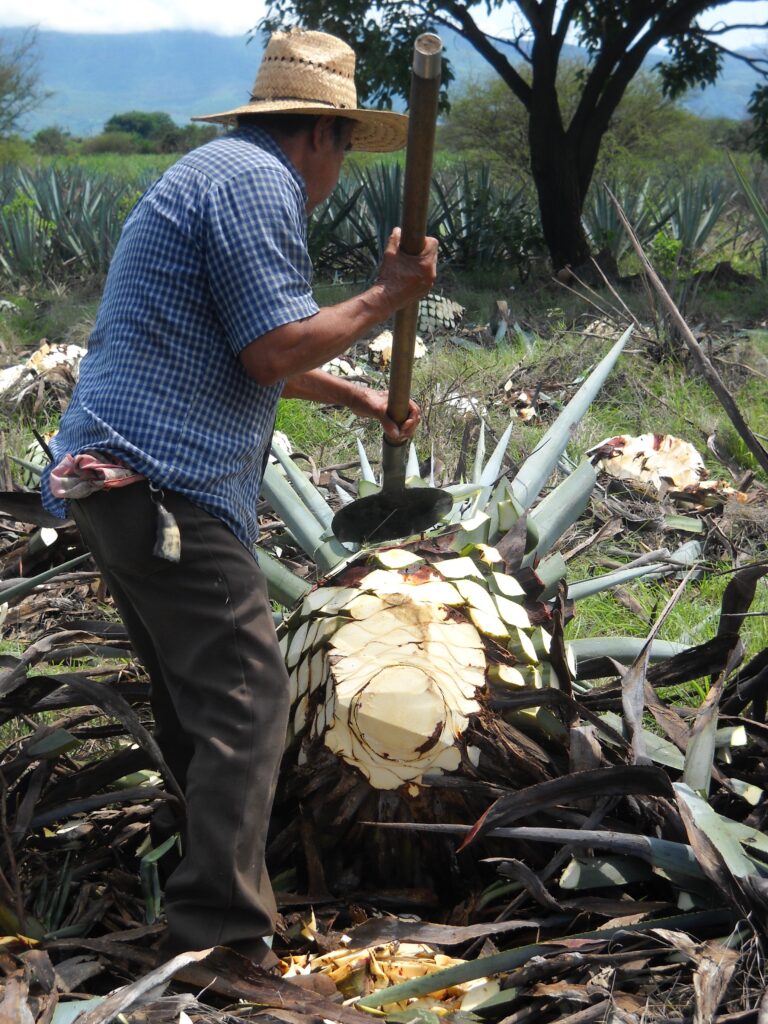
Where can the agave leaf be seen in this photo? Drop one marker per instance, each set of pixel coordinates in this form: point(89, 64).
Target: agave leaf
point(683, 557)
point(717, 829)
point(537, 468)
point(600, 872)
point(477, 468)
point(760, 212)
point(57, 742)
point(618, 780)
point(366, 471)
point(283, 586)
point(302, 524)
point(700, 751)
point(492, 468)
point(308, 493)
point(561, 508)
point(623, 649)
point(551, 570)
point(26, 586)
point(412, 466)
point(659, 750)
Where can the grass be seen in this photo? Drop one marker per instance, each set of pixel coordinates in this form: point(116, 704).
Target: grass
point(693, 620)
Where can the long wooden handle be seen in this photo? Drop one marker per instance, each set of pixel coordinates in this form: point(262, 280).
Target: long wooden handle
point(425, 90)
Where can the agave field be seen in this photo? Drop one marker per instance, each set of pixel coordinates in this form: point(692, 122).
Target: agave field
point(496, 803)
point(62, 221)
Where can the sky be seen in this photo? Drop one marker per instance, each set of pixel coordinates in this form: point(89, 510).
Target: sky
point(236, 17)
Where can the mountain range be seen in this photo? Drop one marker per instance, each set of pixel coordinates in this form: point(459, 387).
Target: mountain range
point(90, 77)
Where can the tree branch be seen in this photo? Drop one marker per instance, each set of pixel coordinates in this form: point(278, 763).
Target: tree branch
point(481, 42)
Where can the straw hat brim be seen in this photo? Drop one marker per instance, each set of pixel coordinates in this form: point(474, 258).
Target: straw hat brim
point(375, 131)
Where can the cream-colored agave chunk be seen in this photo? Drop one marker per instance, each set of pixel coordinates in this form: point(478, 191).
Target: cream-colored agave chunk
point(405, 686)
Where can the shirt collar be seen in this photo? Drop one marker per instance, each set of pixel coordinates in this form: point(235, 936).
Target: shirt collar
point(265, 141)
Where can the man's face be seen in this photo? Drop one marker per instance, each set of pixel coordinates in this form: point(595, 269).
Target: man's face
point(326, 158)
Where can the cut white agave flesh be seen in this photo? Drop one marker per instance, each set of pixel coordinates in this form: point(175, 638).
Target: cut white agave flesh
point(300, 714)
point(297, 644)
point(318, 670)
point(320, 723)
point(316, 601)
point(476, 596)
point(507, 586)
point(365, 605)
point(521, 645)
point(512, 612)
point(314, 629)
point(293, 687)
point(457, 568)
point(542, 641)
point(489, 624)
point(474, 530)
point(340, 600)
point(434, 591)
point(488, 554)
point(398, 714)
point(303, 677)
point(534, 676)
point(506, 675)
point(398, 558)
point(326, 629)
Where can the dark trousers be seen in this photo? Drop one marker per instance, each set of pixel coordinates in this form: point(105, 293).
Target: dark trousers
point(219, 690)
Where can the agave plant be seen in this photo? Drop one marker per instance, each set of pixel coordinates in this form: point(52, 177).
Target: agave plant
point(398, 652)
point(695, 213)
point(638, 202)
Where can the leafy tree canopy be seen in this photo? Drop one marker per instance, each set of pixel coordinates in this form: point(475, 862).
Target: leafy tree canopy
point(618, 35)
point(139, 122)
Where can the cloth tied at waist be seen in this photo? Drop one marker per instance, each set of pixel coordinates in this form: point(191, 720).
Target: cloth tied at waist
point(77, 476)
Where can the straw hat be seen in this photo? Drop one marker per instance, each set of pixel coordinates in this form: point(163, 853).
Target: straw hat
point(313, 73)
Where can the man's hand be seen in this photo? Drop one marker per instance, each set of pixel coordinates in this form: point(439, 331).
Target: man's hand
point(373, 405)
point(318, 386)
point(407, 278)
point(303, 345)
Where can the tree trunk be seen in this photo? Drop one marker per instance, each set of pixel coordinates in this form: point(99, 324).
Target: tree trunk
point(556, 174)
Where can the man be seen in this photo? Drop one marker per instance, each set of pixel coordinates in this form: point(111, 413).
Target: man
point(207, 318)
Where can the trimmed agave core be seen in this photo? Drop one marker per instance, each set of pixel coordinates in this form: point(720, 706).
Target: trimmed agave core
point(386, 673)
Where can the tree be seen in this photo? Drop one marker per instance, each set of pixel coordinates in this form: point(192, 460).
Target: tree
point(648, 133)
point(617, 35)
point(52, 141)
point(147, 124)
point(19, 81)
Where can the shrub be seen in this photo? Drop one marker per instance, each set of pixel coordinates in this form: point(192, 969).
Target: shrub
point(112, 142)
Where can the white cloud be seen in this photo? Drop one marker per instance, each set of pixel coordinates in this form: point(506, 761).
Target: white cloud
point(236, 17)
point(226, 17)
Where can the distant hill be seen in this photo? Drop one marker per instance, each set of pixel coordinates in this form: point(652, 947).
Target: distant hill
point(92, 77)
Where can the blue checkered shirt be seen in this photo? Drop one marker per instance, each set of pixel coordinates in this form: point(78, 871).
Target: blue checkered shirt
point(213, 256)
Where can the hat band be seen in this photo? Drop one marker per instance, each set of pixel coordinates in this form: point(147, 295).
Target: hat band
point(310, 102)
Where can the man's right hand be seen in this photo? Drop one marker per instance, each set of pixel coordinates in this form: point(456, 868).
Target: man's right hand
point(406, 278)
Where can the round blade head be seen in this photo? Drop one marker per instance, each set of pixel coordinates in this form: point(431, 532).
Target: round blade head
point(391, 514)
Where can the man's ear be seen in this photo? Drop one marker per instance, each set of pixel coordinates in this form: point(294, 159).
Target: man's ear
point(322, 130)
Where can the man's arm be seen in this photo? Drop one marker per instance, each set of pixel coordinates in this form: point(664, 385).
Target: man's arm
point(319, 386)
point(304, 345)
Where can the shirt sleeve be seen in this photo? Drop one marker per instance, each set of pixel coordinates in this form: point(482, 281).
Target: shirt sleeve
point(259, 269)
